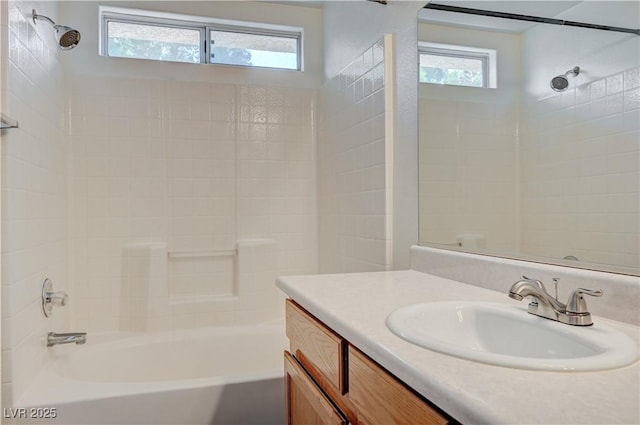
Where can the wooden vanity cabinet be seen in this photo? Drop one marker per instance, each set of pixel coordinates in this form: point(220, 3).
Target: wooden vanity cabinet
point(329, 380)
point(305, 402)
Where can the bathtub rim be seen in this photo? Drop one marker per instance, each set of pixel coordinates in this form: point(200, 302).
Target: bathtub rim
point(49, 387)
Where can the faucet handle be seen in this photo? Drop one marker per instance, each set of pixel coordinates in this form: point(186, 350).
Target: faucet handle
point(51, 298)
point(555, 284)
point(59, 298)
point(538, 283)
point(577, 303)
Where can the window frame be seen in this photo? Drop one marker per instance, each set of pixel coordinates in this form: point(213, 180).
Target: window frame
point(106, 19)
point(488, 58)
point(205, 28)
point(297, 35)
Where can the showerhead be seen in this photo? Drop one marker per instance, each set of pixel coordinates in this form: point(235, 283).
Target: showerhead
point(561, 82)
point(67, 37)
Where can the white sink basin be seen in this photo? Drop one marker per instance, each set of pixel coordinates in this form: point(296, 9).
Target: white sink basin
point(504, 335)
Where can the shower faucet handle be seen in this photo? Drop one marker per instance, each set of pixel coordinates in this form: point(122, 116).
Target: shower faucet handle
point(51, 298)
point(59, 298)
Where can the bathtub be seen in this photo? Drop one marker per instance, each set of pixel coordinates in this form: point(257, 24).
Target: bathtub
point(219, 375)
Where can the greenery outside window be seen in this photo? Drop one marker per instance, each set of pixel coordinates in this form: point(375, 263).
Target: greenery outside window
point(181, 39)
point(157, 42)
point(457, 65)
point(234, 47)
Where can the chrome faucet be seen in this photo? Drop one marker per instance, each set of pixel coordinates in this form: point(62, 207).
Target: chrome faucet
point(547, 306)
point(68, 338)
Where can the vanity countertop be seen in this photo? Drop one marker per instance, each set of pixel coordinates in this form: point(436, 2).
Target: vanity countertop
point(356, 305)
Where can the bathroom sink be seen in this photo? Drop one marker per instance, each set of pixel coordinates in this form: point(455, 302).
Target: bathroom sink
point(504, 335)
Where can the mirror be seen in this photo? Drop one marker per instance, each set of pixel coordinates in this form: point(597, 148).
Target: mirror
point(510, 167)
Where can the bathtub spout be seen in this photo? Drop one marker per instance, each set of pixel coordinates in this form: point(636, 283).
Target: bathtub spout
point(66, 338)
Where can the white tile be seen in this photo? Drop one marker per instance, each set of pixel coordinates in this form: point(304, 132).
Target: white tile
point(598, 107)
point(615, 104)
point(632, 78)
point(200, 110)
point(598, 89)
point(632, 99)
point(222, 93)
point(121, 172)
point(615, 84)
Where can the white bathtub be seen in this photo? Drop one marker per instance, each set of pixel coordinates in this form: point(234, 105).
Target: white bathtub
point(221, 375)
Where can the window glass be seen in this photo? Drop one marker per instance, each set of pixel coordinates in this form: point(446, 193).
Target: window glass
point(181, 38)
point(237, 48)
point(453, 70)
point(451, 64)
point(143, 41)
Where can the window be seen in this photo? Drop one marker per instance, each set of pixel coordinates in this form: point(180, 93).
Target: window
point(169, 37)
point(144, 41)
point(457, 65)
point(269, 51)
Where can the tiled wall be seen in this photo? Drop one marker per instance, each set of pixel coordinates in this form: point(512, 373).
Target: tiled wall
point(34, 194)
point(108, 178)
point(468, 181)
point(350, 28)
point(580, 172)
point(468, 173)
point(354, 216)
point(546, 174)
point(197, 167)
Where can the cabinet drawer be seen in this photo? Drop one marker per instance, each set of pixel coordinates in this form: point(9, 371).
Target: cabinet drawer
point(317, 348)
point(306, 404)
point(380, 398)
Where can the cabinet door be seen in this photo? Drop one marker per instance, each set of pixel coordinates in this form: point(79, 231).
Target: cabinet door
point(318, 349)
point(306, 404)
point(380, 398)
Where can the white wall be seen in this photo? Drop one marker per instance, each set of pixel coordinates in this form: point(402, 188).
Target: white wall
point(350, 29)
point(354, 217)
point(571, 163)
point(552, 50)
point(468, 148)
point(580, 148)
point(195, 167)
point(196, 158)
point(169, 155)
point(34, 193)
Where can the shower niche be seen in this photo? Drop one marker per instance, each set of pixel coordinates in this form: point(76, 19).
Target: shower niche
point(161, 289)
point(203, 274)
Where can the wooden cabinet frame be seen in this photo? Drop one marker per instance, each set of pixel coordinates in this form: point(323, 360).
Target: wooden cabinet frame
point(306, 404)
point(327, 376)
